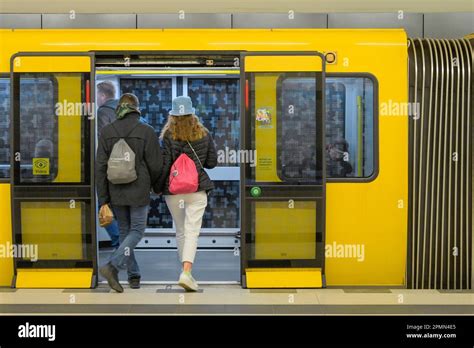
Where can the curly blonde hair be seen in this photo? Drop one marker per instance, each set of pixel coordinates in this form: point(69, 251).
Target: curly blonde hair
point(184, 128)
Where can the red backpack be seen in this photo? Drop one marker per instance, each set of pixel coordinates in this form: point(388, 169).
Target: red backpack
point(184, 177)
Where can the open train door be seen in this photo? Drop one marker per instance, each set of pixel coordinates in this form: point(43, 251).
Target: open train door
point(53, 200)
point(283, 175)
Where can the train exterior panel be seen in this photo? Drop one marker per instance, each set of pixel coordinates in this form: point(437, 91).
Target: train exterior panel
point(366, 216)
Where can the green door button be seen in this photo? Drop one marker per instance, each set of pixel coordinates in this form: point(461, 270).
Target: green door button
point(255, 191)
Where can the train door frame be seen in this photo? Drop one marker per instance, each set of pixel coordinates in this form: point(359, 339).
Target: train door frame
point(264, 275)
point(236, 56)
point(82, 191)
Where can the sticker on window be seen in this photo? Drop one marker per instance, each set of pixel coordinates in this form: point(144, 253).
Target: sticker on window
point(263, 116)
point(40, 166)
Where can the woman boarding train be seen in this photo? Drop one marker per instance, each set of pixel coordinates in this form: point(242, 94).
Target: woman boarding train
point(176, 171)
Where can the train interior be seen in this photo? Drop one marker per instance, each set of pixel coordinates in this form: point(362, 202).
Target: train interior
point(213, 84)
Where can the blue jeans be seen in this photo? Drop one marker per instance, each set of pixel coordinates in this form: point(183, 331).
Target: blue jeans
point(113, 232)
point(132, 224)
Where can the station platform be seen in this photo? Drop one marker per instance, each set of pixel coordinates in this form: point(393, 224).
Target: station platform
point(227, 299)
point(210, 265)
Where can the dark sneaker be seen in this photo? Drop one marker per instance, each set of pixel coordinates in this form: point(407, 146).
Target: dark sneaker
point(134, 283)
point(111, 275)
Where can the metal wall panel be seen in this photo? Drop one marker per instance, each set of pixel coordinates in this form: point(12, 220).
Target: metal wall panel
point(448, 25)
point(185, 20)
point(279, 20)
point(20, 21)
point(411, 22)
point(89, 21)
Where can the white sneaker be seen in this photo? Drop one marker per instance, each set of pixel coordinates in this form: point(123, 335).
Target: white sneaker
point(187, 282)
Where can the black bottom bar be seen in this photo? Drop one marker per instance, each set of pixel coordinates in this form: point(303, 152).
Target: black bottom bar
point(239, 330)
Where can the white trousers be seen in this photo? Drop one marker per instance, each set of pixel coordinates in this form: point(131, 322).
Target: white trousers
point(187, 211)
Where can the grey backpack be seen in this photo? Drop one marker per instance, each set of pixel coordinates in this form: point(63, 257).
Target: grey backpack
point(121, 163)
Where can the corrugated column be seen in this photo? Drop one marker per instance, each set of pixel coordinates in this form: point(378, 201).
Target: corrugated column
point(439, 109)
point(468, 219)
point(440, 224)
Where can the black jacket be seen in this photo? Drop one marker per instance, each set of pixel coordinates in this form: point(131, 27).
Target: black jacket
point(205, 149)
point(148, 162)
point(106, 114)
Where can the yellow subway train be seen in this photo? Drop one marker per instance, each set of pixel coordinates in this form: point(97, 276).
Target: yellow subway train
point(336, 150)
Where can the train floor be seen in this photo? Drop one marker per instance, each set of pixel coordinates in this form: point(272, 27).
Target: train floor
point(220, 299)
point(211, 266)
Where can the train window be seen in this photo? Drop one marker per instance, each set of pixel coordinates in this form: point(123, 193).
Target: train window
point(53, 126)
point(284, 130)
point(38, 127)
point(4, 128)
point(296, 108)
point(349, 127)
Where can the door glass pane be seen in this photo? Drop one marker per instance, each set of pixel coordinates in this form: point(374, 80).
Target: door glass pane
point(52, 128)
point(283, 232)
point(4, 128)
point(56, 229)
point(297, 129)
point(284, 130)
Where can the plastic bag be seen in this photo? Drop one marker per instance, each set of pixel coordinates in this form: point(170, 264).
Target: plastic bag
point(106, 216)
